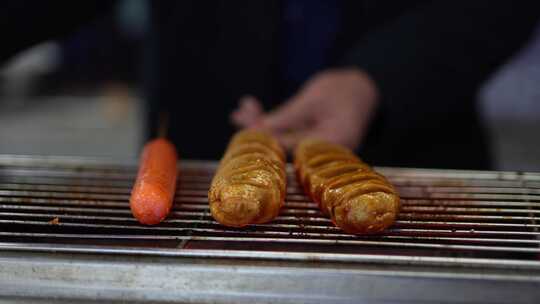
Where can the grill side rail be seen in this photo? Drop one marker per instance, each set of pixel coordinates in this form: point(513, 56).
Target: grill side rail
point(88, 278)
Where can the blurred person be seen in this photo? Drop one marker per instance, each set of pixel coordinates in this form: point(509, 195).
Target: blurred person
point(395, 80)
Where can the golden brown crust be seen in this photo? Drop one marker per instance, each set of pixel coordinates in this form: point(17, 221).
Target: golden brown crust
point(357, 199)
point(250, 182)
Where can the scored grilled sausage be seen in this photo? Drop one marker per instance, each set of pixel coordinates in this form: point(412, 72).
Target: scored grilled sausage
point(153, 192)
point(249, 184)
point(357, 199)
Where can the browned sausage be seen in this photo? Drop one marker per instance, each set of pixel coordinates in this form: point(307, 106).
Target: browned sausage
point(249, 185)
point(357, 199)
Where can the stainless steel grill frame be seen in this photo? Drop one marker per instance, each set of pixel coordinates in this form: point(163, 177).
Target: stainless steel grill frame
point(476, 231)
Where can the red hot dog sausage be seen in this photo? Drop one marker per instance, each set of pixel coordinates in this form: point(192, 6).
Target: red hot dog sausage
point(153, 193)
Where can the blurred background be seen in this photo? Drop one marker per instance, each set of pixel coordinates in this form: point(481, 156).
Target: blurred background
point(82, 96)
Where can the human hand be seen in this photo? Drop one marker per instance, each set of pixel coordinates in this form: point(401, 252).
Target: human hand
point(334, 105)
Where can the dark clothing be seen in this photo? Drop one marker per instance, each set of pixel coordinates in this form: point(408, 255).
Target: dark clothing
point(309, 29)
point(427, 57)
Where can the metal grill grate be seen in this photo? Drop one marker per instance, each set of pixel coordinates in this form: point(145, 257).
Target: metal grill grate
point(448, 217)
